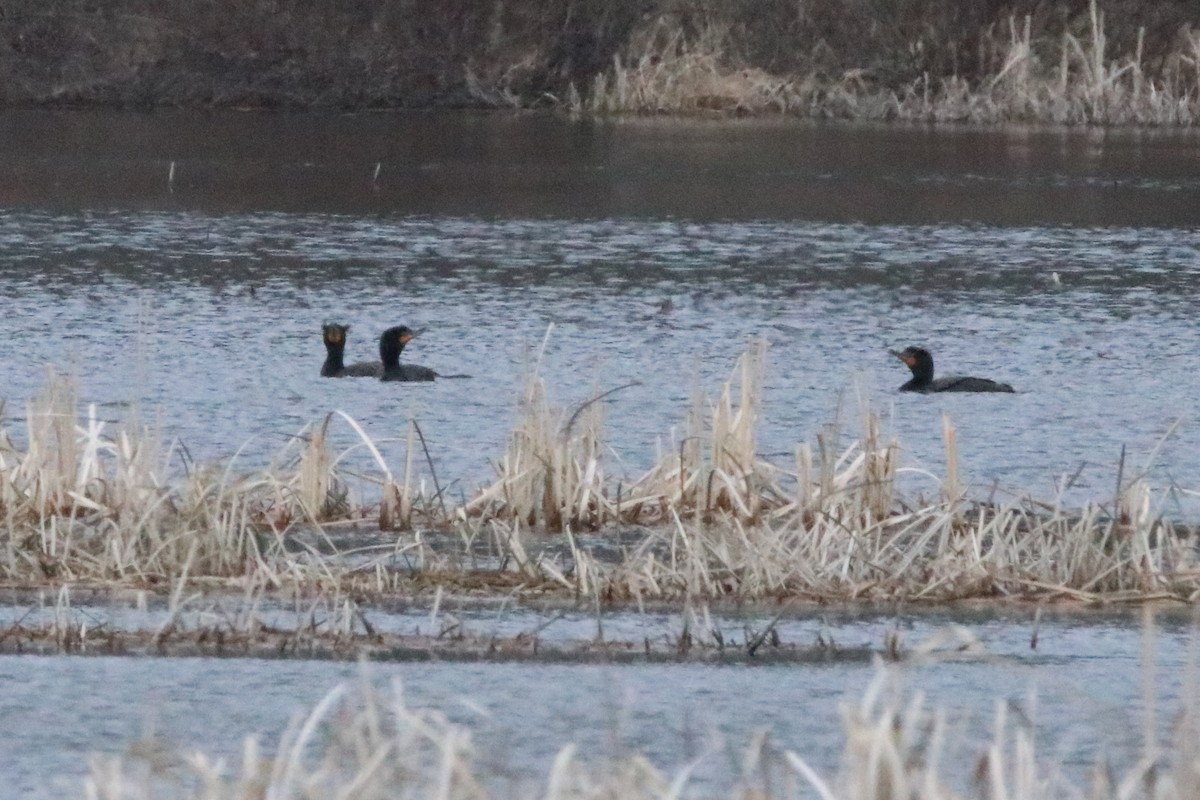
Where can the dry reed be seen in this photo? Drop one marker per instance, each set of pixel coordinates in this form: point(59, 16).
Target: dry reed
point(551, 474)
point(1069, 80)
point(662, 71)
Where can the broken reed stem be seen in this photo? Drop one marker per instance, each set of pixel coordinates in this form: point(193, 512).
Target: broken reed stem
point(315, 478)
point(952, 487)
point(406, 496)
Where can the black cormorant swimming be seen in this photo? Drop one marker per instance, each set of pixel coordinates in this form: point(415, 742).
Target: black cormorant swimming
point(391, 344)
point(335, 348)
point(920, 362)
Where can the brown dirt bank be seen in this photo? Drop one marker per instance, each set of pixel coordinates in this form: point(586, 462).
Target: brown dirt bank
point(825, 58)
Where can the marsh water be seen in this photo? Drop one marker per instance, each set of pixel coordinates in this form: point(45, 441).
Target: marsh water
point(1087, 689)
point(180, 266)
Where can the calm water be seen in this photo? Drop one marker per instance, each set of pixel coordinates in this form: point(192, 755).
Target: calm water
point(1082, 688)
point(833, 243)
point(198, 301)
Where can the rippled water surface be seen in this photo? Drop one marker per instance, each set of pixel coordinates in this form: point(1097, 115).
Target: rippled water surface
point(1063, 263)
point(1083, 689)
point(181, 266)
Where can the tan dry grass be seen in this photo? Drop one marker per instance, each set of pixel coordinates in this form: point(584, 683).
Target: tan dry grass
point(716, 520)
point(552, 473)
point(79, 503)
point(662, 70)
point(740, 527)
point(1084, 85)
point(553, 477)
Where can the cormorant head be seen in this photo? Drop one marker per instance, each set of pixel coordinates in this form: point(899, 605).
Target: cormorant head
point(334, 334)
point(391, 342)
point(917, 359)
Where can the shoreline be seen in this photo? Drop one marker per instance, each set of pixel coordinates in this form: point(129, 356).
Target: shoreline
point(1118, 62)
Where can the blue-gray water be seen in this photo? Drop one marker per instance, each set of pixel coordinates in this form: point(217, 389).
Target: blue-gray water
point(198, 301)
point(832, 243)
point(1082, 690)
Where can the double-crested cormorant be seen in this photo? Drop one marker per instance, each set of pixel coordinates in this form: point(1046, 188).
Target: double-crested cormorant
point(335, 347)
point(920, 362)
point(391, 343)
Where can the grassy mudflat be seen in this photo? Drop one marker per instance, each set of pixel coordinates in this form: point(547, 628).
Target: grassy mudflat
point(1093, 62)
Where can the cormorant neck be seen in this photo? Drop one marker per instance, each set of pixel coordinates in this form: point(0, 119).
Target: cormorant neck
point(389, 352)
point(334, 353)
point(922, 374)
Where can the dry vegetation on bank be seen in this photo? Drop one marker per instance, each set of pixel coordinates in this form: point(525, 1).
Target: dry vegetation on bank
point(1063, 61)
point(369, 743)
point(711, 521)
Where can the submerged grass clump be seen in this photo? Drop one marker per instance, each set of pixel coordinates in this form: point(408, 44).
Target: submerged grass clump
point(711, 520)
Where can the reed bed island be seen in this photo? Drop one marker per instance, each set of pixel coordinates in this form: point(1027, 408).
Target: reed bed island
point(711, 522)
point(1100, 62)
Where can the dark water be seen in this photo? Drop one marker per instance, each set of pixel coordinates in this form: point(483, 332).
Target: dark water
point(1082, 690)
point(834, 243)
